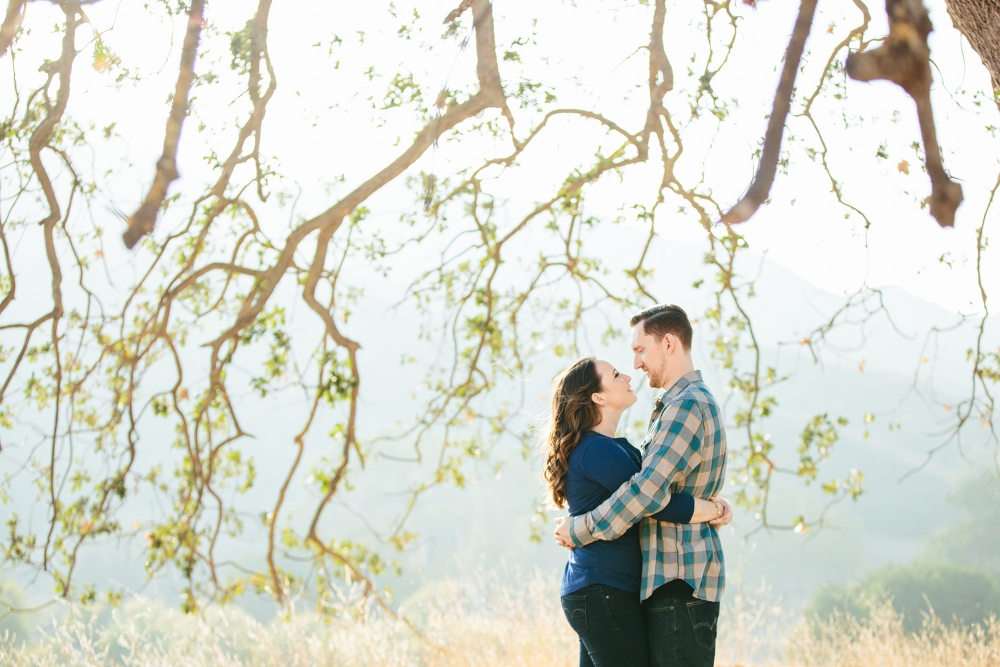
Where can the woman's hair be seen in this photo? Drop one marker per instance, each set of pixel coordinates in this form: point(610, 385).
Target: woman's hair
point(573, 414)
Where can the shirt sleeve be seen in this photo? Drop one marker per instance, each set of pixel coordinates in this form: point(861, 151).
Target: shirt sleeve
point(612, 466)
point(674, 449)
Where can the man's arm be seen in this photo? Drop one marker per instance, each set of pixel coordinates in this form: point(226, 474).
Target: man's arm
point(676, 449)
point(612, 466)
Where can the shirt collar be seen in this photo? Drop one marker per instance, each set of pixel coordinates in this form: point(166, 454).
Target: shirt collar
point(679, 386)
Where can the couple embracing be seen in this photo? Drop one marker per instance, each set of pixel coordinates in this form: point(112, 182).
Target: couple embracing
point(645, 571)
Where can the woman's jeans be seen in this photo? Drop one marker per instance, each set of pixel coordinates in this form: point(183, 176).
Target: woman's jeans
point(610, 625)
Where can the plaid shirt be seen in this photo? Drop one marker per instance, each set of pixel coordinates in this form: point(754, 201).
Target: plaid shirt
point(684, 452)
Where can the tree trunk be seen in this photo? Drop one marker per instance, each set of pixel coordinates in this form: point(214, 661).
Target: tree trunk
point(979, 21)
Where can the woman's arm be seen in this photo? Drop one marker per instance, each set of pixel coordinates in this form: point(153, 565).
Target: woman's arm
point(706, 510)
point(716, 511)
point(680, 509)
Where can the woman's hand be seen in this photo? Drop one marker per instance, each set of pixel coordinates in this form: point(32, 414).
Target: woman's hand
point(561, 532)
point(727, 514)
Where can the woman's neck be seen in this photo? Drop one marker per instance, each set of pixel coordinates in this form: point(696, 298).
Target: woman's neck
point(609, 422)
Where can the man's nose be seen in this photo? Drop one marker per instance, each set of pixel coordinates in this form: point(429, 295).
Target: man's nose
point(636, 362)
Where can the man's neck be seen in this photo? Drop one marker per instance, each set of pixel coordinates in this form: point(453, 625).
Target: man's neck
point(686, 366)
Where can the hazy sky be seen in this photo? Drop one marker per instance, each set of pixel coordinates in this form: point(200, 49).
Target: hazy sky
point(589, 53)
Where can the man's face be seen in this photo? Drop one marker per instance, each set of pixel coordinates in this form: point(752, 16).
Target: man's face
point(649, 356)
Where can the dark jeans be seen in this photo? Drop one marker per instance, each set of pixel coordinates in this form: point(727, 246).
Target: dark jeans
point(609, 623)
point(681, 628)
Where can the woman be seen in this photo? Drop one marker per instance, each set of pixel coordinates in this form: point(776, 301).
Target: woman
point(584, 465)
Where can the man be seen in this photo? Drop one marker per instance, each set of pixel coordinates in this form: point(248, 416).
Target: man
point(684, 451)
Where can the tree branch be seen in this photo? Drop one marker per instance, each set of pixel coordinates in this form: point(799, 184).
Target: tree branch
point(458, 11)
point(490, 95)
point(143, 221)
point(768, 167)
point(904, 59)
point(11, 22)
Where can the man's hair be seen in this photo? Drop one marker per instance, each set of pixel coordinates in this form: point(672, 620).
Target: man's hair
point(663, 319)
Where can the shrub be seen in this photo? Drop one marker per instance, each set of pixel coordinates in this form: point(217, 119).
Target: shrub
point(956, 593)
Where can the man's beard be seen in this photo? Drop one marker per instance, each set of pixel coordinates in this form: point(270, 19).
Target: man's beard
point(656, 377)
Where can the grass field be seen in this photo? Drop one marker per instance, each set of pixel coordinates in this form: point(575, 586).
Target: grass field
point(491, 622)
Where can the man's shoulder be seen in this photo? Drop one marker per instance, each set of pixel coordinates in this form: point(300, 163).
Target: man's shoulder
point(694, 403)
point(698, 394)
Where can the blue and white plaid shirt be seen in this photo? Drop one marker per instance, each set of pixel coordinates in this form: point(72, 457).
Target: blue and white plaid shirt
point(684, 452)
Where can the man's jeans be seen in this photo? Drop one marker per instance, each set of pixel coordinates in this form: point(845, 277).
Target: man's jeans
point(609, 623)
point(681, 628)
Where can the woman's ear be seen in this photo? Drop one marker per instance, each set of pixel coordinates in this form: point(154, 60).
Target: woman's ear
point(597, 398)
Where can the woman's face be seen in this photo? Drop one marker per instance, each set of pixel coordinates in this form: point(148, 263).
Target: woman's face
point(617, 388)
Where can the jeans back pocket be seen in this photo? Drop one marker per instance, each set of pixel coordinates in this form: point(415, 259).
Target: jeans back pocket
point(575, 609)
point(704, 621)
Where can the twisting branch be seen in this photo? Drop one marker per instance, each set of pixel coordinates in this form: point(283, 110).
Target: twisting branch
point(981, 372)
point(490, 95)
point(904, 59)
point(40, 139)
point(771, 152)
point(143, 221)
point(807, 111)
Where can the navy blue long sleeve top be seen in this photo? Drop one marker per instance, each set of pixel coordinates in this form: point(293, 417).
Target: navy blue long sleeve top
point(597, 467)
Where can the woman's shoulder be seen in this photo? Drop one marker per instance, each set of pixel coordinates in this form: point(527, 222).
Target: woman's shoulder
point(587, 440)
point(594, 437)
point(592, 442)
point(590, 438)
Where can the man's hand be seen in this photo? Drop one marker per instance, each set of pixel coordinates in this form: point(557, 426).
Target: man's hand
point(726, 517)
point(561, 533)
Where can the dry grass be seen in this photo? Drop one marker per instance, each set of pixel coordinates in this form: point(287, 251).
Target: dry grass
point(490, 622)
point(881, 640)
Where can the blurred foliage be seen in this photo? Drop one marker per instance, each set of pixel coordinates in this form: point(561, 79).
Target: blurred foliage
point(14, 599)
point(975, 539)
point(956, 593)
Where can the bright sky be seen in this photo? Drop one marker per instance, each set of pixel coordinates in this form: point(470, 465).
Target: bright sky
point(320, 124)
